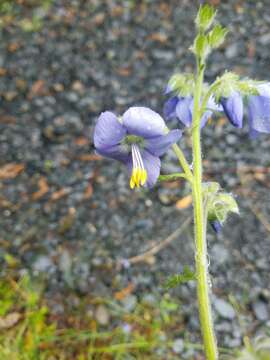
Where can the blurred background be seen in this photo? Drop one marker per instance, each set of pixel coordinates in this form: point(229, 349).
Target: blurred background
point(72, 286)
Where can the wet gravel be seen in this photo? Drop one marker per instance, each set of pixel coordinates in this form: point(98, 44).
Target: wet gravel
point(95, 55)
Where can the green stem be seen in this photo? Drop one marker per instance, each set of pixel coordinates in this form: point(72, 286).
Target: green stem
point(210, 346)
point(183, 162)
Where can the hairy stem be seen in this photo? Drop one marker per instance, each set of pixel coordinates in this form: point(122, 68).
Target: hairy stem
point(210, 346)
point(183, 162)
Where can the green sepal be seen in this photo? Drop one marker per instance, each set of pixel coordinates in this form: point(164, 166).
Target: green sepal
point(182, 84)
point(201, 46)
point(179, 279)
point(205, 17)
point(217, 36)
point(220, 205)
point(210, 188)
point(230, 82)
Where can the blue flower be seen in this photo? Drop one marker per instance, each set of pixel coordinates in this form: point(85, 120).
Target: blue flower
point(182, 109)
point(259, 111)
point(216, 225)
point(137, 139)
point(233, 108)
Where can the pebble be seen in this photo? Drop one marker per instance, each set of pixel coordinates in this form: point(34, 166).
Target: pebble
point(224, 309)
point(102, 315)
point(178, 346)
point(43, 264)
point(261, 310)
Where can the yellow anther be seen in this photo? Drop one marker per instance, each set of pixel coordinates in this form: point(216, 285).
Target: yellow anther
point(138, 177)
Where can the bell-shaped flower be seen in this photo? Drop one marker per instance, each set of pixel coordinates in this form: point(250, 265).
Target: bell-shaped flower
point(182, 109)
point(259, 111)
point(233, 108)
point(137, 139)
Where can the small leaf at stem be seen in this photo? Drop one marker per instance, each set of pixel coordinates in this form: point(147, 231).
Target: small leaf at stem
point(178, 279)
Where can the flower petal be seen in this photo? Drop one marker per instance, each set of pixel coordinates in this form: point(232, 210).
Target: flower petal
point(168, 89)
point(108, 131)
point(152, 167)
point(259, 113)
point(264, 89)
point(216, 225)
point(169, 107)
point(212, 105)
point(184, 110)
point(159, 145)
point(233, 108)
point(117, 152)
point(142, 121)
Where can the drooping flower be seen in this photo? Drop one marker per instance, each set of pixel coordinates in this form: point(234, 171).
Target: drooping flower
point(137, 139)
point(259, 111)
point(233, 108)
point(182, 109)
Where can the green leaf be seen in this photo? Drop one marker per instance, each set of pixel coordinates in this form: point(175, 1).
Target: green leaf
point(217, 36)
point(205, 17)
point(178, 279)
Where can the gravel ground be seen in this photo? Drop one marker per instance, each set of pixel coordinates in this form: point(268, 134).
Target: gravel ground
point(68, 215)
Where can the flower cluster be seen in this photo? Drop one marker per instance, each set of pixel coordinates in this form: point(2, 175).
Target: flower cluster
point(232, 105)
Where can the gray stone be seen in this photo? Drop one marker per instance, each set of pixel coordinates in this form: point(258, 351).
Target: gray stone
point(129, 302)
point(102, 316)
point(43, 264)
point(224, 309)
point(220, 254)
point(178, 346)
point(261, 310)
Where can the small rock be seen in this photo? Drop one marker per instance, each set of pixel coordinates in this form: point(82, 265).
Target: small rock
point(224, 309)
point(102, 316)
point(260, 310)
point(43, 264)
point(129, 302)
point(220, 254)
point(178, 346)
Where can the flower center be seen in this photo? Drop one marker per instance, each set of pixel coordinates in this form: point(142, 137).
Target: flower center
point(139, 174)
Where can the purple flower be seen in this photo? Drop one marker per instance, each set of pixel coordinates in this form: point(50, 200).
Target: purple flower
point(216, 225)
point(137, 139)
point(182, 109)
point(259, 111)
point(233, 108)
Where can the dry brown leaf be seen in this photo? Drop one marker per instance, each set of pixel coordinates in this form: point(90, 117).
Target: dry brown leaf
point(60, 193)
point(81, 141)
point(88, 191)
point(3, 71)
point(184, 203)
point(122, 294)
point(10, 171)
point(124, 71)
point(7, 119)
point(43, 189)
point(38, 88)
point(159, 37)
point(89, 157)
point(9, 320)
point(12, 47)
point(99, 18)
